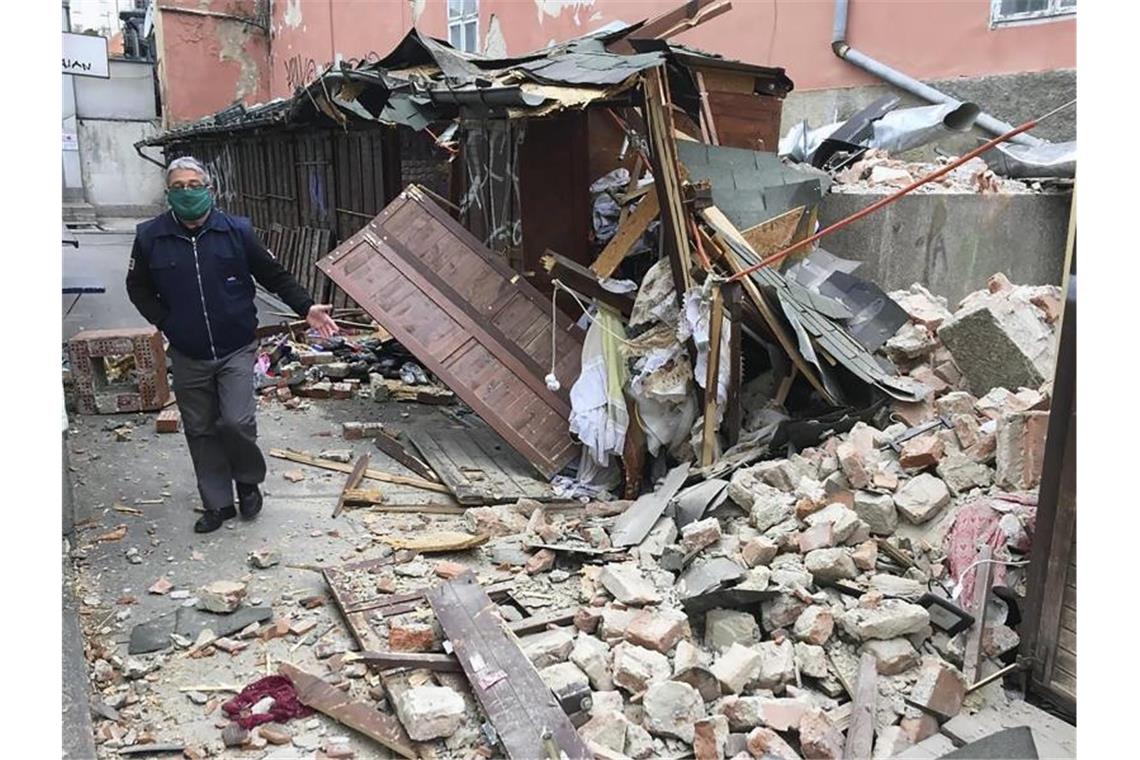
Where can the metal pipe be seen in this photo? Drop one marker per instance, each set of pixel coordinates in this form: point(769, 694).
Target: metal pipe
point(840, 47)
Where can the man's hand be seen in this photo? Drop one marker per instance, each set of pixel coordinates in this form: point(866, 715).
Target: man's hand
point(318, 318)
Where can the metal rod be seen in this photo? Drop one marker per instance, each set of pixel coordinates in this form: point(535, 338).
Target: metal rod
point(780, 255)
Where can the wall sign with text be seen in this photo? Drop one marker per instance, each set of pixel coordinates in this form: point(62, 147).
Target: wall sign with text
point(85, 55)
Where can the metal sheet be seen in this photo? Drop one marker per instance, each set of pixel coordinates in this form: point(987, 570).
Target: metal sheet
point(478, 326)
point(633, 525)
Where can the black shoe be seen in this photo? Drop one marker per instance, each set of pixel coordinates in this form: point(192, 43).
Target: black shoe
point(249, 499)
point(213, 519)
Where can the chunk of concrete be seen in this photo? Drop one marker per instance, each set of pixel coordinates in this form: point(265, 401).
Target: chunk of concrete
point(549, 647)
point(777, 664)
point(430, 712)
point(893, 656)
point(221, 596)
point(827, 565)
point(758, 551)
point(844, 521)
point(960, 473)
point(671, 709)
point(894, 585)
point(940, 687)
point(737, 667)
point(889, 619)
point(811, 660)
point(766, 744)
point(628, 585)
point(607, 729)
point(878, 511)
point(742, 713)
point(700, 534)
point(921, 498)
point(723, 628)
point(814, 625)
point(593, 658)
point(1020, 449)
point(1000, 341)
point(819, 738)
point(564, 676)
point(658, 629)
point(635, 668)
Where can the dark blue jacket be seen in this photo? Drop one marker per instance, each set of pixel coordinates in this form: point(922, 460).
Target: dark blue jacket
point(197, 285)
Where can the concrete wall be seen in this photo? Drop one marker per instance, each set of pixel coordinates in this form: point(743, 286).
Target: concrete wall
point(930, 40)
point(952, 242)
point(116, 181)
point(128, 94)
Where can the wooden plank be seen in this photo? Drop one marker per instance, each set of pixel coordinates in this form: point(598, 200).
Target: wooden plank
point(469, 465)
point(353, 481)
point(391, 446)
point(707, 123)
point(445, 663)
point(734, 408)
point(726, 230)
point(628, 233)
point(861, 733)
point(712, 378)
point(633, 525)
point(983, 582)
point(685, 16)
point(775, 234)
point(666, 178)
point(386, 477)
point(581, 279)
point(360, 716)
point(514, 697)
point(440, 293)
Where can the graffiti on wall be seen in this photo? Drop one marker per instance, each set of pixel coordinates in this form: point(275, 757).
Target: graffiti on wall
point(301, 71)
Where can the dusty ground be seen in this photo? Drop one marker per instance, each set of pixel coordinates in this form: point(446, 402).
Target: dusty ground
point(296, 521)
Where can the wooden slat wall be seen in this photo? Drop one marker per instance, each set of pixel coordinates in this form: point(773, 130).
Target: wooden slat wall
point(484, 331)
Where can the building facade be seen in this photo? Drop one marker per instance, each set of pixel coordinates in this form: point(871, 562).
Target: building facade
point(1013, 57)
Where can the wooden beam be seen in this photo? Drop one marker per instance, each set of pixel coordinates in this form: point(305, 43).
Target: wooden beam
point(630, 187)
point(861, 732)
point(629, 231)
point(685, 16)
point(707, 123)
point(353, 481)
point(726, 231)
point(391, 446)
point(578, 277)
point(302, 457)
point(712, 378)
point(733, 408)
point(983, 582)
point(444, 663)
point(360, 716)
point(663, 154)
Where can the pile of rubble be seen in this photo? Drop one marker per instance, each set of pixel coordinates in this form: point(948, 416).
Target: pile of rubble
point(876, 171)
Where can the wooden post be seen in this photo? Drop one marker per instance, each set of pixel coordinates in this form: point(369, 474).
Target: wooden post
point(861, 733)
point(712, 376)
point(733, 410)
point(983, 582)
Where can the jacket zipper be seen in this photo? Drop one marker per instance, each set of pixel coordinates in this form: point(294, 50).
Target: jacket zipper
point(202, 295)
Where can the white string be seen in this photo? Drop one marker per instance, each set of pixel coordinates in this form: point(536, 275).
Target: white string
point(975, 563)
point(552, 379)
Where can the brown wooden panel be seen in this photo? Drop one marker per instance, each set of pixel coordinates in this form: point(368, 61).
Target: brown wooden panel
point(391, 269)
point(746, 121)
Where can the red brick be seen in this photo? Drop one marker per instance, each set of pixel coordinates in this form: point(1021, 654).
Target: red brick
point(818, 537)
point(1021, 449)
point(447, 569)
point(917, 729)
point(541, 561)
point(921, 451)
point(658, 630)
point(411, 637)
point(819, 738)
point(168, 421)
point(341, 390)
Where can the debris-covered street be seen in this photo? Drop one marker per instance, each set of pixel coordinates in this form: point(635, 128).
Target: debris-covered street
point(602, 417)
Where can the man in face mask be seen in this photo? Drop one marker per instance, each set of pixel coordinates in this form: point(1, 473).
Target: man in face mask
point(191, 274)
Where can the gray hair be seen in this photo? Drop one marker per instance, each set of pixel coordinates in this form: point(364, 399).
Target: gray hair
point(187, 162)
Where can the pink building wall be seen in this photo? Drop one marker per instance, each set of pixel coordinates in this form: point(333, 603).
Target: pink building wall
point(928, 39)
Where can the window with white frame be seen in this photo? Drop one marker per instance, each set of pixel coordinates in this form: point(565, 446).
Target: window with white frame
point(463, 24)
point(1011, 11)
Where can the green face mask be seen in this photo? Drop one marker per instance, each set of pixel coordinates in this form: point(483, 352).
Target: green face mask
point(190, 203)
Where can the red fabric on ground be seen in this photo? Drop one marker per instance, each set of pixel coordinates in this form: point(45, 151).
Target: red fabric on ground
point(285, 705)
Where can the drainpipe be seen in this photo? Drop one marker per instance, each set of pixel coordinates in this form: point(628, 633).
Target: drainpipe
point(840, 47)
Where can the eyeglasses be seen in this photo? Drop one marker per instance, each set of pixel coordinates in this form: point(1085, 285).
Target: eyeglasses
point(191, 185)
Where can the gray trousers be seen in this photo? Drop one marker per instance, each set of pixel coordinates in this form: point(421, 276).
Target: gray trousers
point(218, 407)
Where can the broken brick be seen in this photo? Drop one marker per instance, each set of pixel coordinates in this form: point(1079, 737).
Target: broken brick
point(659, 629)
point(168, 421)
point(921, 451)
